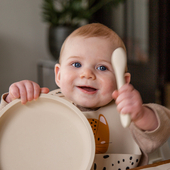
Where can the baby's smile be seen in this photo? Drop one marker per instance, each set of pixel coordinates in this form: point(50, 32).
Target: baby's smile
point(87, 89)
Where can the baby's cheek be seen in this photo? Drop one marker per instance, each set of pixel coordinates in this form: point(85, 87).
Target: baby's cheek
point(64, 81)
point(64, 90)
point(109, 89)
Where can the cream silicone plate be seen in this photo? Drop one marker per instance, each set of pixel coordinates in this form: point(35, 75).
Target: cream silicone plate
point(46, 134)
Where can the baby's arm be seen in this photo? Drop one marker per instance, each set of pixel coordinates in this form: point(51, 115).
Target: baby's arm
point(129, 101)
point(26, 90)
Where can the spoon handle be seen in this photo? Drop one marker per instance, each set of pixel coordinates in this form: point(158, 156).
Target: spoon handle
point(119, 61)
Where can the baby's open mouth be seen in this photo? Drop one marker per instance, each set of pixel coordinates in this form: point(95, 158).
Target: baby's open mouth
point(88, 89)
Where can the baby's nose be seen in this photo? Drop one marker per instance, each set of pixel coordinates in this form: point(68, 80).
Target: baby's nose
point(88, 74)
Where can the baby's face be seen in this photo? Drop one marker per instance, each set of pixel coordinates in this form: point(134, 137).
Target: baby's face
point(85, 74)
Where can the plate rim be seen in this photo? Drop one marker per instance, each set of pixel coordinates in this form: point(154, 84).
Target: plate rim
point(69, 105)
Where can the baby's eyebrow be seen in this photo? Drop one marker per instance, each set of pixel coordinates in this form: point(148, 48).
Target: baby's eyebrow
point(73, 57)
point(106, 61)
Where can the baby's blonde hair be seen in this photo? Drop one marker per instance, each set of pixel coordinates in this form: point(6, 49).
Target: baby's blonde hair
point(96, 30)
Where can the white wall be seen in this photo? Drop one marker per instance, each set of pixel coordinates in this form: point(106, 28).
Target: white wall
point(23, 42)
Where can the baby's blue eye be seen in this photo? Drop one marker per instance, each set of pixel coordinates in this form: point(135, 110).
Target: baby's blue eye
point(76, 64)
point(102, 68)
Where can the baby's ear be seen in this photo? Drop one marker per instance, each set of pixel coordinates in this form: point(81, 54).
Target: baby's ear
point(127, 77)
point(57, 74)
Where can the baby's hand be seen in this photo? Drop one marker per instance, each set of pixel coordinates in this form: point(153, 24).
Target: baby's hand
point(128, 101)
point(26, 90)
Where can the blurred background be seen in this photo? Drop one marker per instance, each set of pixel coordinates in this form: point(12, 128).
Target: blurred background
point(142, 24)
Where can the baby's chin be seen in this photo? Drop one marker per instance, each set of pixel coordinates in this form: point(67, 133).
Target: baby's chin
point(88, 106)
point(91, 105)
point(82, 108)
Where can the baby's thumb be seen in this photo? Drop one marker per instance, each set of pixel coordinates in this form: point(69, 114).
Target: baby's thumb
point(44, 90)
point(115, 94)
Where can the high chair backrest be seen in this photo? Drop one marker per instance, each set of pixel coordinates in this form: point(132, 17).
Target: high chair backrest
point(165, 150)
point(161, 154)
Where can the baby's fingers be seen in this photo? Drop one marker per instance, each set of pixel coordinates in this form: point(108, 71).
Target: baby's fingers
point(32, 90)
point(45, 90)
point(13, 93)
point(26, 90)
point(16, 91)
point(38, 90)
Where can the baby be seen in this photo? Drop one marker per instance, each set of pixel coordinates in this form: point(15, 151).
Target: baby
point(86, 77)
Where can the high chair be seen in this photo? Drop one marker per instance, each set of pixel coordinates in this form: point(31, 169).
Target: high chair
point(161, 154)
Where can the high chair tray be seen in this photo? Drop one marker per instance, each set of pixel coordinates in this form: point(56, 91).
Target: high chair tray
point(46, 134)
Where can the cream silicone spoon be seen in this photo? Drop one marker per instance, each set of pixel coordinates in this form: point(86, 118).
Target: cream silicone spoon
point(119, 61)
